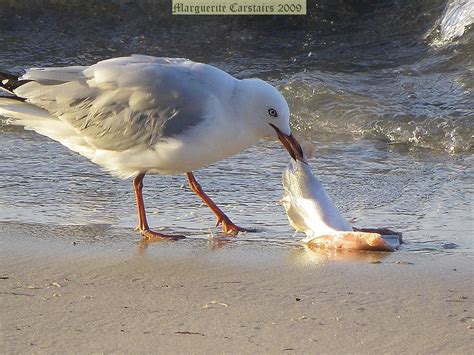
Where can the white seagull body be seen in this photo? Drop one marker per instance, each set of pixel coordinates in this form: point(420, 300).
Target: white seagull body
point(140, 114)
point(129, 114)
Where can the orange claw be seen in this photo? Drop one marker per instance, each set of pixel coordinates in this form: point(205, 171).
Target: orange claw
point(142, 226)
point(228, 227)
point(155, 236)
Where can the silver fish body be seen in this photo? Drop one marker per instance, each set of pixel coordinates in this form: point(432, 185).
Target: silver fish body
point(308, 207)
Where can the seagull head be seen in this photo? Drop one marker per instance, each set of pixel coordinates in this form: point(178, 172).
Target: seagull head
point(270, 115)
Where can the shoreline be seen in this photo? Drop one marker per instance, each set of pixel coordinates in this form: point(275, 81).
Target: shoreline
point(204, 297)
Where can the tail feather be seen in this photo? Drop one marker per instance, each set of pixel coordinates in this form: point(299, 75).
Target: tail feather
point(10, 82)
point(16, 109)
point(35, 118)
point(19, 112)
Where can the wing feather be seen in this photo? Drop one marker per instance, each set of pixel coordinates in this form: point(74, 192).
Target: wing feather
point(122, 102)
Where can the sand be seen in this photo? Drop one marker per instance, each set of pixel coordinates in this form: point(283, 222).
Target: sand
point(198, 296)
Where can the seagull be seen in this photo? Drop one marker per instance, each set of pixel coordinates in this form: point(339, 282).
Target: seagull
point(141, 114)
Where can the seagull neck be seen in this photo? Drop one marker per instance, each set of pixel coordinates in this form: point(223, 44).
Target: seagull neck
point(244, 98)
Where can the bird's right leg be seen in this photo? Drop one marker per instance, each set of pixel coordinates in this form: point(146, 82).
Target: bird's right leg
point(142, 222)
point(228, 227)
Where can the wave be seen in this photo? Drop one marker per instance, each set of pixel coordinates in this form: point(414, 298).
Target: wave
point(457, 17)
point(398, 71)
point(328, 107)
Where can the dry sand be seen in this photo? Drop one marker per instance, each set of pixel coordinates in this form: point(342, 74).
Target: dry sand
point(195, 296)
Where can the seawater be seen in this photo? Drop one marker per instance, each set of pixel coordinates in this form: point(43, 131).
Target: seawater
point(383, 90)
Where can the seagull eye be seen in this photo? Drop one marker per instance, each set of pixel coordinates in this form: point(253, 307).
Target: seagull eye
point(272, 112)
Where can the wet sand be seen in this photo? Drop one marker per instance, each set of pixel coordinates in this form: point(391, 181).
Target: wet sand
point(237, 297)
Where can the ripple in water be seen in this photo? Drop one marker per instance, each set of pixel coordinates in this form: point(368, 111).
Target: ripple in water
point(390, 114)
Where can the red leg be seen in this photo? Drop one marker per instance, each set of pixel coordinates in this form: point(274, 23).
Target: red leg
point(228, 227)
point(142, 222)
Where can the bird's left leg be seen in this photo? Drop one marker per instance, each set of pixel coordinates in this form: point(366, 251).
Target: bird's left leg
point(228, 227)
point(143, 227)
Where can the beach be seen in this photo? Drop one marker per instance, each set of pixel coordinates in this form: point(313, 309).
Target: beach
point(201, 296)
point(382, 90)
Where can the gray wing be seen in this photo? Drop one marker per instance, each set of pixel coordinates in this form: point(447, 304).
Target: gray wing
point(123, 102)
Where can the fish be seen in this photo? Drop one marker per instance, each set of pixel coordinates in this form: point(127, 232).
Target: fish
point(310, 210)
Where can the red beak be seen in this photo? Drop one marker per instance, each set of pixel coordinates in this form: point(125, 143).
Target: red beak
point(290, 144)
